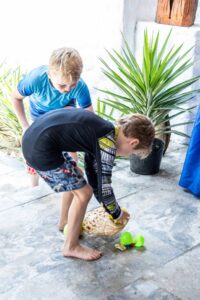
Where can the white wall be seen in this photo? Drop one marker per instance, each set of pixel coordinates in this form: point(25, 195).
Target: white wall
point(30, 30)
point(134, 11)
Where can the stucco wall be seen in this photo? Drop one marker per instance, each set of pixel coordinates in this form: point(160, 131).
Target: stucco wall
point(30, 30)
point(134, 11)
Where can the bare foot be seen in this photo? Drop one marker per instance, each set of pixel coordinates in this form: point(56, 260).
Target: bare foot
point(82, 252)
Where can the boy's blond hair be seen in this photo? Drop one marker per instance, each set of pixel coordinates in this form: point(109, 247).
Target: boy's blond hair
point(140, 127)
point(66, 61)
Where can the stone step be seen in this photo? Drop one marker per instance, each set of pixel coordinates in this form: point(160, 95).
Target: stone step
point(23, 196)
point(9, 164)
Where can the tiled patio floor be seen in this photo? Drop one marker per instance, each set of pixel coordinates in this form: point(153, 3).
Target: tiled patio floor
point(31, 263)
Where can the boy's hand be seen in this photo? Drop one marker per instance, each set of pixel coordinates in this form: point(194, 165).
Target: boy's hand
point(124, 218)
point(25, 128)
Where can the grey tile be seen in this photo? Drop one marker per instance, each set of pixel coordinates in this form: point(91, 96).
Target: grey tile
point(31, 262)
point(181, 276)
point(141, 290)
point(171, 215)
point(22, 196)
point(9, 164)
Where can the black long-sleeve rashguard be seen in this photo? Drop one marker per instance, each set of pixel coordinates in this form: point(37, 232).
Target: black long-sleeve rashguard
point(73, 130)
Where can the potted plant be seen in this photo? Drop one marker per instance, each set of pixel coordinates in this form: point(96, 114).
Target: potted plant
point(151, 90)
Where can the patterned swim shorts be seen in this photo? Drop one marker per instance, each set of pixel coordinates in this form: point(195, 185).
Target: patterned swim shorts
point(67, 177)
point(30, 170)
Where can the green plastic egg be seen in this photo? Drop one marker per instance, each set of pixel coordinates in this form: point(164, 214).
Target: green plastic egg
point(65, 231)
point(138, 240)
point(126, 238)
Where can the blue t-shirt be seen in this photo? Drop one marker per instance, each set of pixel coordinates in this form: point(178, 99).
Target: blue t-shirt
point(44, 97)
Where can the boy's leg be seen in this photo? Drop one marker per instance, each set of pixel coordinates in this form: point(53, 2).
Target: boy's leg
point(72, 247)
point(66, 200)
point(68, 176)
point(65, 205)
point(74, 155)
point(34, 180)
point(34, 177)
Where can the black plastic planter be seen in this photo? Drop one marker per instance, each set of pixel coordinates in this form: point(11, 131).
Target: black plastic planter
point(151, 164)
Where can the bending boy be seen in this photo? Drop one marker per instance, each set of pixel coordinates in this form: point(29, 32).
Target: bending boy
point(46, 144)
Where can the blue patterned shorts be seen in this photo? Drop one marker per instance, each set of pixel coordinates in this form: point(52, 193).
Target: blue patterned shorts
point(65, 178)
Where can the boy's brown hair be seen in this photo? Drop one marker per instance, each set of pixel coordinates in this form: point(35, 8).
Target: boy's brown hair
point(140, 127)
point(66, 61)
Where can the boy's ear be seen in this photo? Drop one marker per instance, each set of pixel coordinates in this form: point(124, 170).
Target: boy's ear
point(134, 142)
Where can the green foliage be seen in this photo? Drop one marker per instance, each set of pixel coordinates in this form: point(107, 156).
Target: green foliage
point(152, 89)
point(106, 111)
point(10, 128)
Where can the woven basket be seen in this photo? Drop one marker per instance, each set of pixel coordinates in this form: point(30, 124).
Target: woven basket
point(98, 222)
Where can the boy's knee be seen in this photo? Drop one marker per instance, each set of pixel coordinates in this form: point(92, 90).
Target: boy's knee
point(88, 191)
point(85, 194)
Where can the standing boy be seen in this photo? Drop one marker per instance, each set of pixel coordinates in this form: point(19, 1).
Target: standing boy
point(51, 87)
point(63, 131)
point(57, 85)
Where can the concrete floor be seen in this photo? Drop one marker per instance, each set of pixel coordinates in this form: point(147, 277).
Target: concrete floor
point(31, 264)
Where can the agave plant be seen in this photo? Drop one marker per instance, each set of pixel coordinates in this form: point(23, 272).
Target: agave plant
point(10, 128)
point(105, 111)
point(151, 90)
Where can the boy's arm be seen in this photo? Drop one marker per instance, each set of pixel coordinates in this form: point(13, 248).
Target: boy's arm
point(108, 197)
point(26, 87)
point(17, 100)
point(83, 97)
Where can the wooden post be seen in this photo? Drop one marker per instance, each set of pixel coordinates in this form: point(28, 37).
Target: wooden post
point(176, 12)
